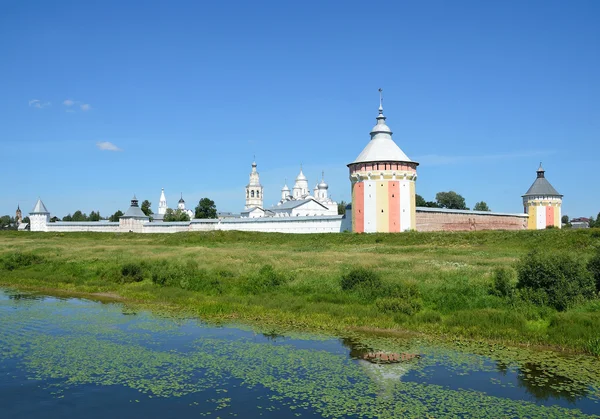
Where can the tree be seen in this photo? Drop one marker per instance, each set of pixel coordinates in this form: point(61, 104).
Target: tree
point(94, 216)
point(420, 202)
point(115, 217)
point(565, 219)
point(592, 222)
point(5, 221)
point(26, 220)
point(481, 206)
point(206, 209)
point(68, 217)
point(450, 200)
point(79, 216)
point(342, 207)
point(146, 208)
point(177, 215)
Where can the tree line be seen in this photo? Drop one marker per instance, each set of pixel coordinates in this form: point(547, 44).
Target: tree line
point(206, 208)
point(450, 200)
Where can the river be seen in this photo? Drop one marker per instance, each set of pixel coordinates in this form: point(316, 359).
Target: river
point(74, 358)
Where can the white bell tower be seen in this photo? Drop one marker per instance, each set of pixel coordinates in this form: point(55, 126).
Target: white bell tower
point(254, 190)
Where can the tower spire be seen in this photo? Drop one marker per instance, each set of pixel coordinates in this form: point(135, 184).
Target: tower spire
point(380, 100)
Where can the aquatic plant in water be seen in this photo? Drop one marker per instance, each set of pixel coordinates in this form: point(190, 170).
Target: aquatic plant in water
point(69, 343)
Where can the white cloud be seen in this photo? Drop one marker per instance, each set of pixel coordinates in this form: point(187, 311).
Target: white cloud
point(36, 103)
point(107, 146)
point(69, 103)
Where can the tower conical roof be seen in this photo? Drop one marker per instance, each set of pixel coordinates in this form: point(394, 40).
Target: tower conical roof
point(39, 208)
point(541, 186)
point(381, 147)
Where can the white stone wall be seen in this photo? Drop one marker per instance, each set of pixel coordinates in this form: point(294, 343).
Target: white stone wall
point(66, 227)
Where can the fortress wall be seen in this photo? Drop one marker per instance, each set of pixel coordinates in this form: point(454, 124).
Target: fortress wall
point(297, 225)
point(437, 219)
point(67, 227)
point(166, 227)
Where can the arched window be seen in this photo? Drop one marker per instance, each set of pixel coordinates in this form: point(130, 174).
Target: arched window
point(247, 194)
point(258, 194)
point(252, 194)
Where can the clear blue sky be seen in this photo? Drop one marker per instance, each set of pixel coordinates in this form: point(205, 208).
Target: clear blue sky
point(478, 92)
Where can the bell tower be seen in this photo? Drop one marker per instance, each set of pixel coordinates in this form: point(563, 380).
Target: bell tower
point(254, 190)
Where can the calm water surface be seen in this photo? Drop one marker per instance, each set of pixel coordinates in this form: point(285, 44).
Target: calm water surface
point(73, 358)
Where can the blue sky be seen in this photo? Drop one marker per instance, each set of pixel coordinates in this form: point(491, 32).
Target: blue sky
point(477, 92)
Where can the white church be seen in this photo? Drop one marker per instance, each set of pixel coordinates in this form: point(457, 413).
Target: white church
point(294, 203)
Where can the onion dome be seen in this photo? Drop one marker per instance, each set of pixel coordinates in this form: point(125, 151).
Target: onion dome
point(285, 188)
point(300, 175)
point(323, 185)
point(181, 201)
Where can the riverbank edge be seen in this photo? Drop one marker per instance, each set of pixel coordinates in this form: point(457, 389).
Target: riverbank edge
point(267, 321)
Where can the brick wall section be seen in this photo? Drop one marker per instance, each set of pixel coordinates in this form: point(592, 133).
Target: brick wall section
point(468, 221)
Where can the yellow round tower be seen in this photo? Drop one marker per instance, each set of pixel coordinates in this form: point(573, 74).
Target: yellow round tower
point(543, 203)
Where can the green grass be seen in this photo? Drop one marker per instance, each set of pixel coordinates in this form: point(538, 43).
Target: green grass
point(438, 283)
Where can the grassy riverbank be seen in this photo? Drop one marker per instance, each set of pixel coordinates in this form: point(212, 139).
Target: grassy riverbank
point(438, 283)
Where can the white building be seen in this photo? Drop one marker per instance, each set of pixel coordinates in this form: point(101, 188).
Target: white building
point(300, 202)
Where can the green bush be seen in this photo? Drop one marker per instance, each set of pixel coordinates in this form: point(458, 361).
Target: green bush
point(20, 260)
point(186, 276)
point(360, 277)
point(503, 284)
point(132, 272)
point(265, 280)
point(429, 317)
point(399, 305)
point(563, 278)
point(594, 268)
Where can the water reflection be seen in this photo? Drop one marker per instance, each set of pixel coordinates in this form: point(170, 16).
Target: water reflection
point(25, 297)
point(544, 385)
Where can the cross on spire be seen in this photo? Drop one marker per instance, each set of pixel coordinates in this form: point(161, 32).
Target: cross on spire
point(380, 100)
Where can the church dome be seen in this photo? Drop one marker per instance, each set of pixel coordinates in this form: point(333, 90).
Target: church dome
point(382, 147)
point(323, 185)
point(285, 188)
point(300, 176)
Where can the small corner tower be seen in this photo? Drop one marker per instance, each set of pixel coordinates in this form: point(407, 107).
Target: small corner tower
point(134, 219)
point(254, 190)
point(39, 217)
point(543, 203)
point(162, 203)
point(383, 184)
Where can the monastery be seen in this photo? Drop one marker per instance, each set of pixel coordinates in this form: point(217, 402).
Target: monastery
point(383, 184)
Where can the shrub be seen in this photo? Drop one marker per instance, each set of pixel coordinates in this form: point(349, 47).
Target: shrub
point(503, 283)
point(360, 277)
point(132, 272)
point(594, 268)
point(19, 260)
point(266, 279)
point(563, 279)
point(429, 317)
point(399, 305)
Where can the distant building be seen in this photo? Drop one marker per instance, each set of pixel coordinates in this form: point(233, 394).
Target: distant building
point(18, 216)
point(581, 222)
point(543, 203)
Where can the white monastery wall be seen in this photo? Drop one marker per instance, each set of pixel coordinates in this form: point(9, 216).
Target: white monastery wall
point(66, 227)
